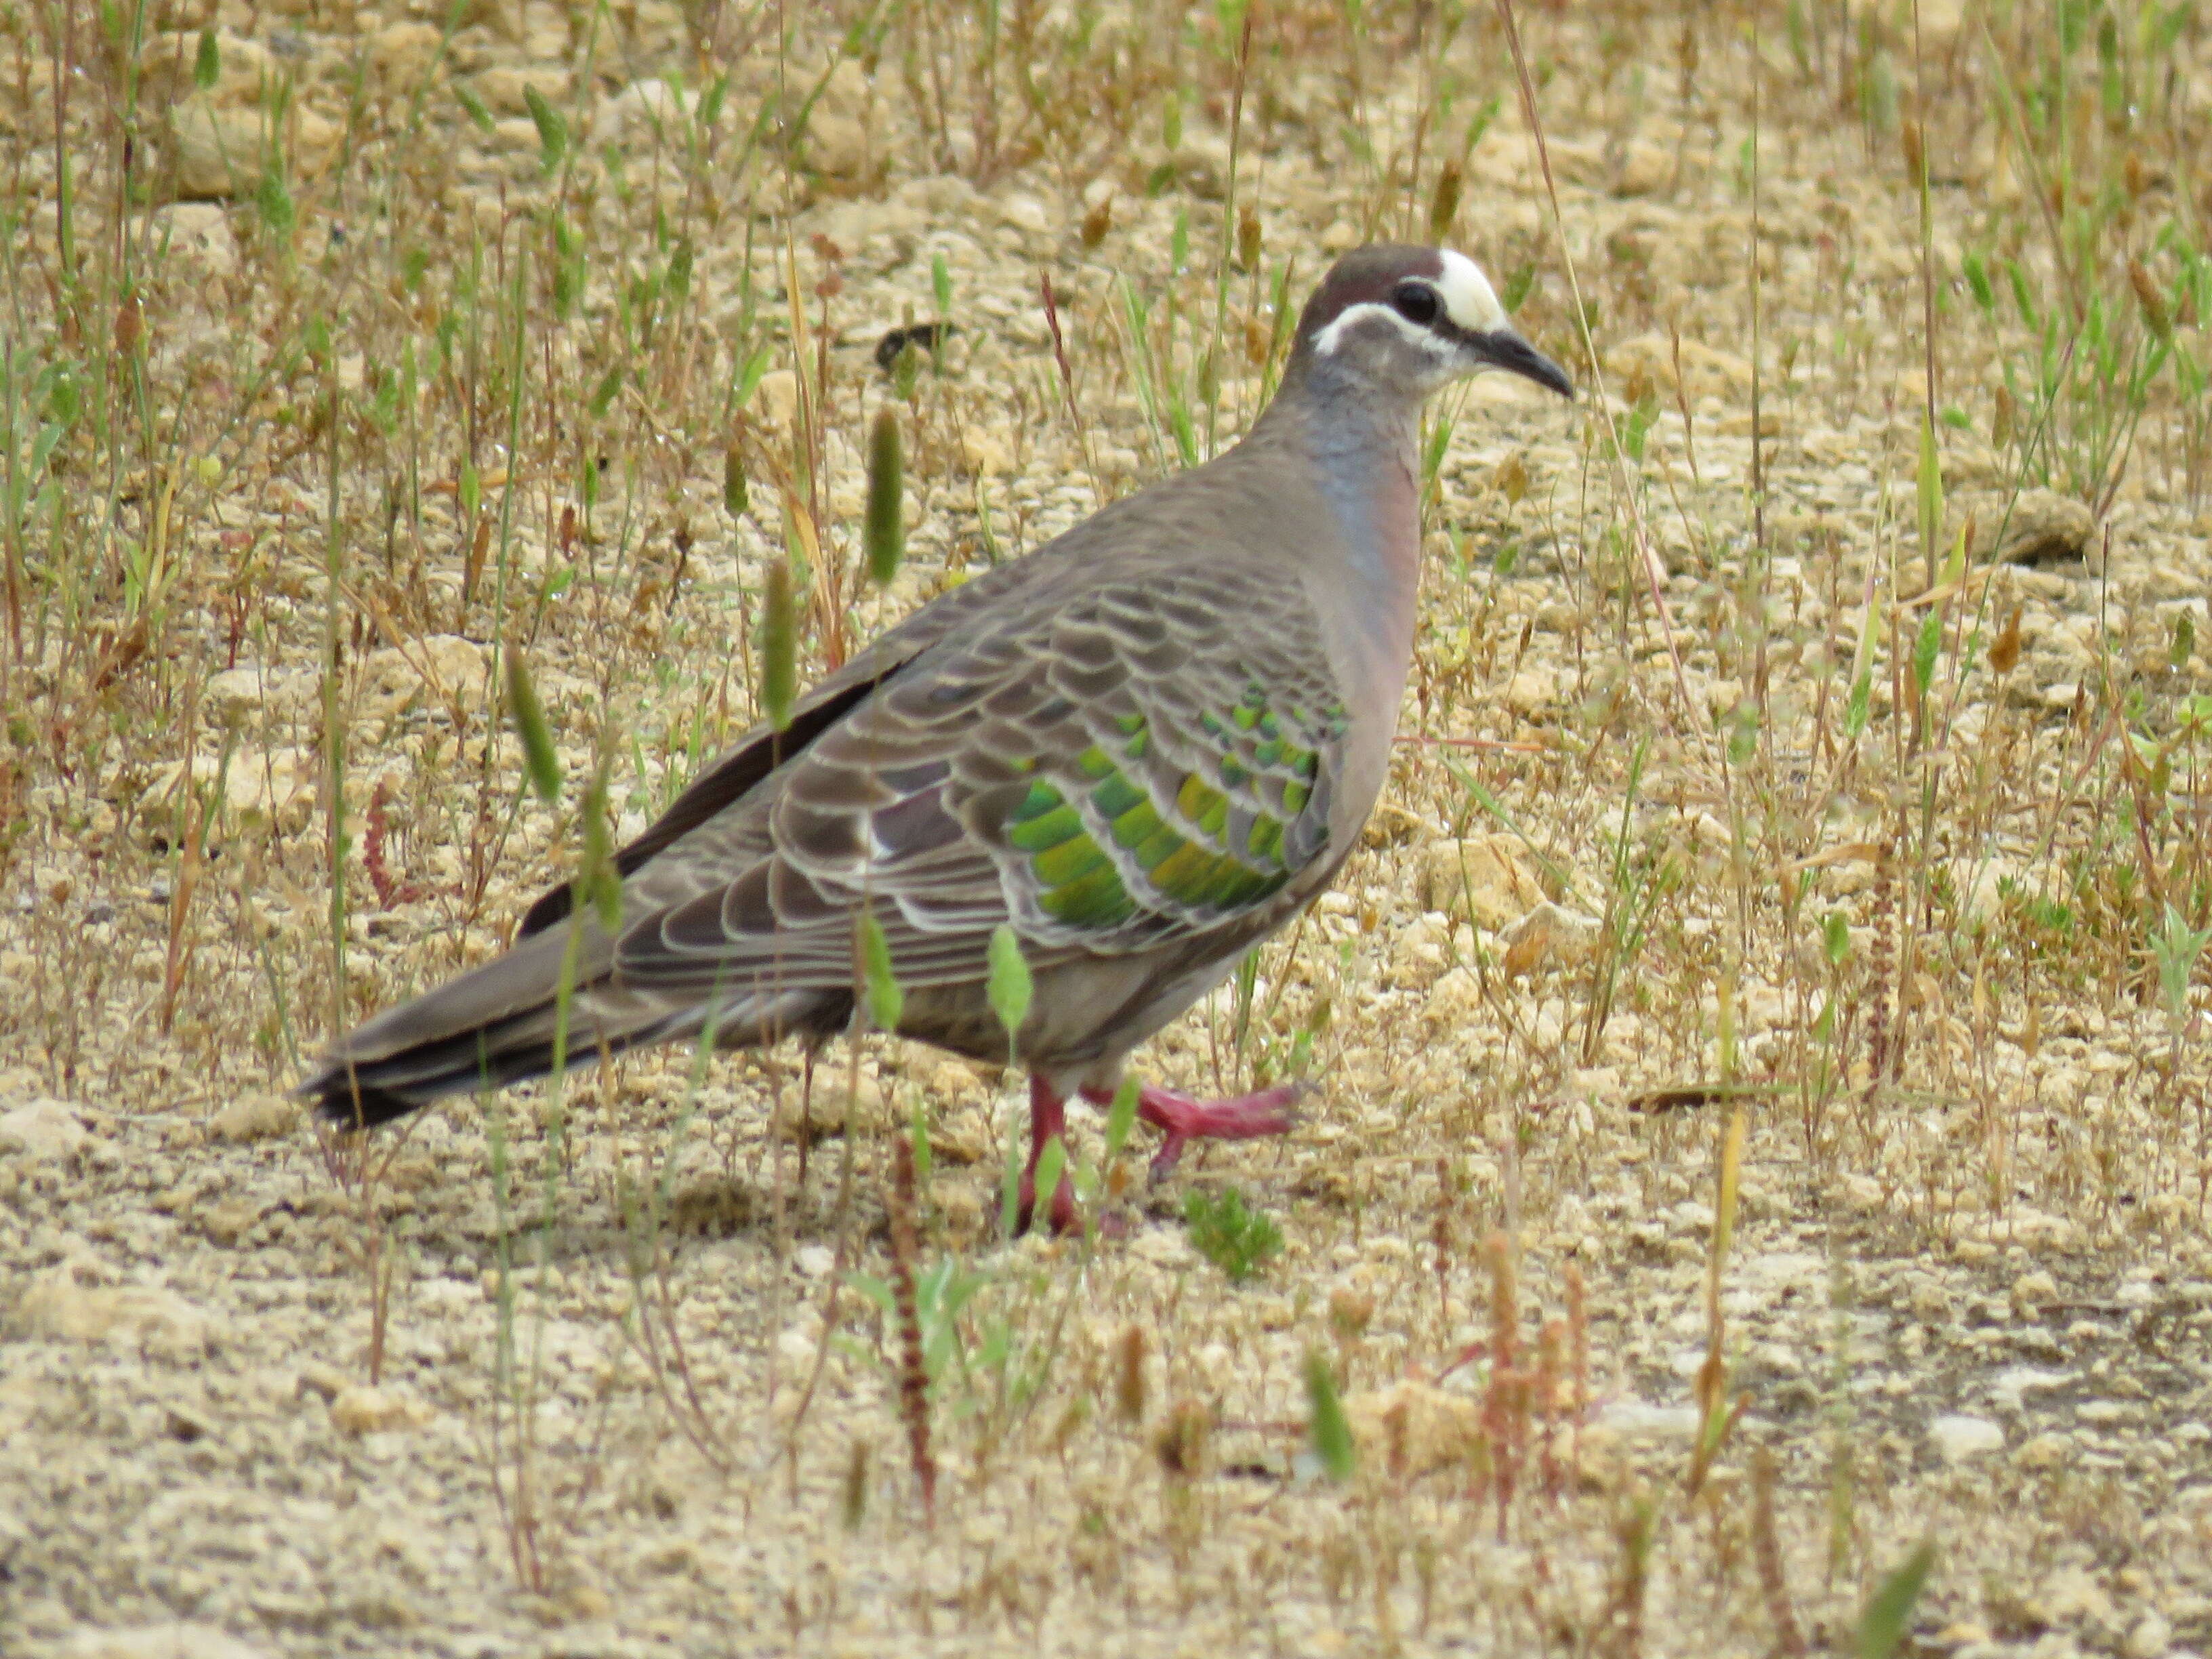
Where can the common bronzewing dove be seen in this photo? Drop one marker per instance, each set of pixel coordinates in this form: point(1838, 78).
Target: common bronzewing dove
point(1145, 747)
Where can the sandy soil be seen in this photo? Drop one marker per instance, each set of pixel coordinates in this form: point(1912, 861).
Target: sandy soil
point(598, 1382)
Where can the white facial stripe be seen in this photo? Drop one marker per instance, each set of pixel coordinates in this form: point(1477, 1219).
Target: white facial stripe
point(1468, 299)
point(1429, 341)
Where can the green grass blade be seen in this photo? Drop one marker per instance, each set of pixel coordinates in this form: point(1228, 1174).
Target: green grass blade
point(1009, 987)
point(884, 533)
point(1889, 1610)
point(886, 1002)
point(539, 760)
point(1326, 1425)
point(779, 647)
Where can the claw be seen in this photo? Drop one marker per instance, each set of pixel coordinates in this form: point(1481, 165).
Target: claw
point(1180, 1120)
point(1246, 1117)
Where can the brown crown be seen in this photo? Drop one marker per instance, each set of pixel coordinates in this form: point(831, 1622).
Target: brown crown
point(1365, 276)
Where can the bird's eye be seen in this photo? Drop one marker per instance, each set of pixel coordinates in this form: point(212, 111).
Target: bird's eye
point(1416, 302)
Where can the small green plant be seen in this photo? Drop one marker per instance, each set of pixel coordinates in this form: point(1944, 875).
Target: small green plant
point(2175, 947)
point(1888, 1611)
point(1326, 1425)
point(942, 1294)
point(1236, 1239)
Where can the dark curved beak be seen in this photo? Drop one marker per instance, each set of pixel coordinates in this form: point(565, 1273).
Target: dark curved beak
point(1504, 348)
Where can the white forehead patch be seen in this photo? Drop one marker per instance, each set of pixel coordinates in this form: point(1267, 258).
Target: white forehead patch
point(1469, 300)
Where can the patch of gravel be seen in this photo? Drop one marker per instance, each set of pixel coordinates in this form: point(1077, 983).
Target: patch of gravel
point(258, 1398)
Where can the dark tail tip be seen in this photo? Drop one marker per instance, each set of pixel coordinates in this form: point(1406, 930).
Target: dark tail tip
point(343, 1099)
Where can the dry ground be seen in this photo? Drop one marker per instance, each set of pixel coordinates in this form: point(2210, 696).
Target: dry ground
point(344, 343)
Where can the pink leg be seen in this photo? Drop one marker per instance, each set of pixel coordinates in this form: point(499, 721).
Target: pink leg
point(1243, 1117)
point(1048, 1118)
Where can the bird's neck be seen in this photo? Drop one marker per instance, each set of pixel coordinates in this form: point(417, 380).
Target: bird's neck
point(1362, 451)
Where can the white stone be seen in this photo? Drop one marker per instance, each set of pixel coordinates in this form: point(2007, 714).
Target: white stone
point(43, 1129)
point(2152, 1636)
point(1706, 371)
point(1164, 1247)
point(507, 88)
point(1483, 878)
point(1957, 1437)
point(2070, 1595)
point(2040, 527)
point(236, 695)
point(178, 1641)
point(1637, 1420)
point(446, 665)
point(837, 128)
point(58, 1308)
point(1025, 212)
point(198, 237)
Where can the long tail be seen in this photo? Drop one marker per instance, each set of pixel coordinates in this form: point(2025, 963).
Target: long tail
point(499, 1023)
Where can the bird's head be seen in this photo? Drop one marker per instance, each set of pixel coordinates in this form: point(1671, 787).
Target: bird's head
point(1411, 320)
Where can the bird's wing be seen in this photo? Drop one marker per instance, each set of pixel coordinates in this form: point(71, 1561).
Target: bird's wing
point(735, 772)
point(1121, 764)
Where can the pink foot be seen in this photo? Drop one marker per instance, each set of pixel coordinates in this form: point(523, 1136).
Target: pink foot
point(1182, 1120)
point(1179, 1117)
point(1048, 1118)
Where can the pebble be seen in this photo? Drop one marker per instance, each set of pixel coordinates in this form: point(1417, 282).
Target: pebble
point(1483, 878)
point(2042, 527)
point(638, 109)
point(1531, 692)
point(2069, 1596)
point(1166, 1247)
point(43, 1130)
point(1550, 936)
point(1707, 371)
point(361, 1408)
point(2011, 1386)
point(214, 152)
point(198, 237)
point(2044, 1451)
point(1638, 1421)
point(1957, 1437)
point(400, 55)
point(2149, 1636)
point(446, 665)
point(254, 1117)
point(776, 399)
point(836, 130)
point(170, 62)
point(156, 1321)
point(179, 1641)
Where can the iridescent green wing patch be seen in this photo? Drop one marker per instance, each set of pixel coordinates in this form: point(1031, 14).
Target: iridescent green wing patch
point(1079, 882)
point(1101, 847)
point(1270, 751)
